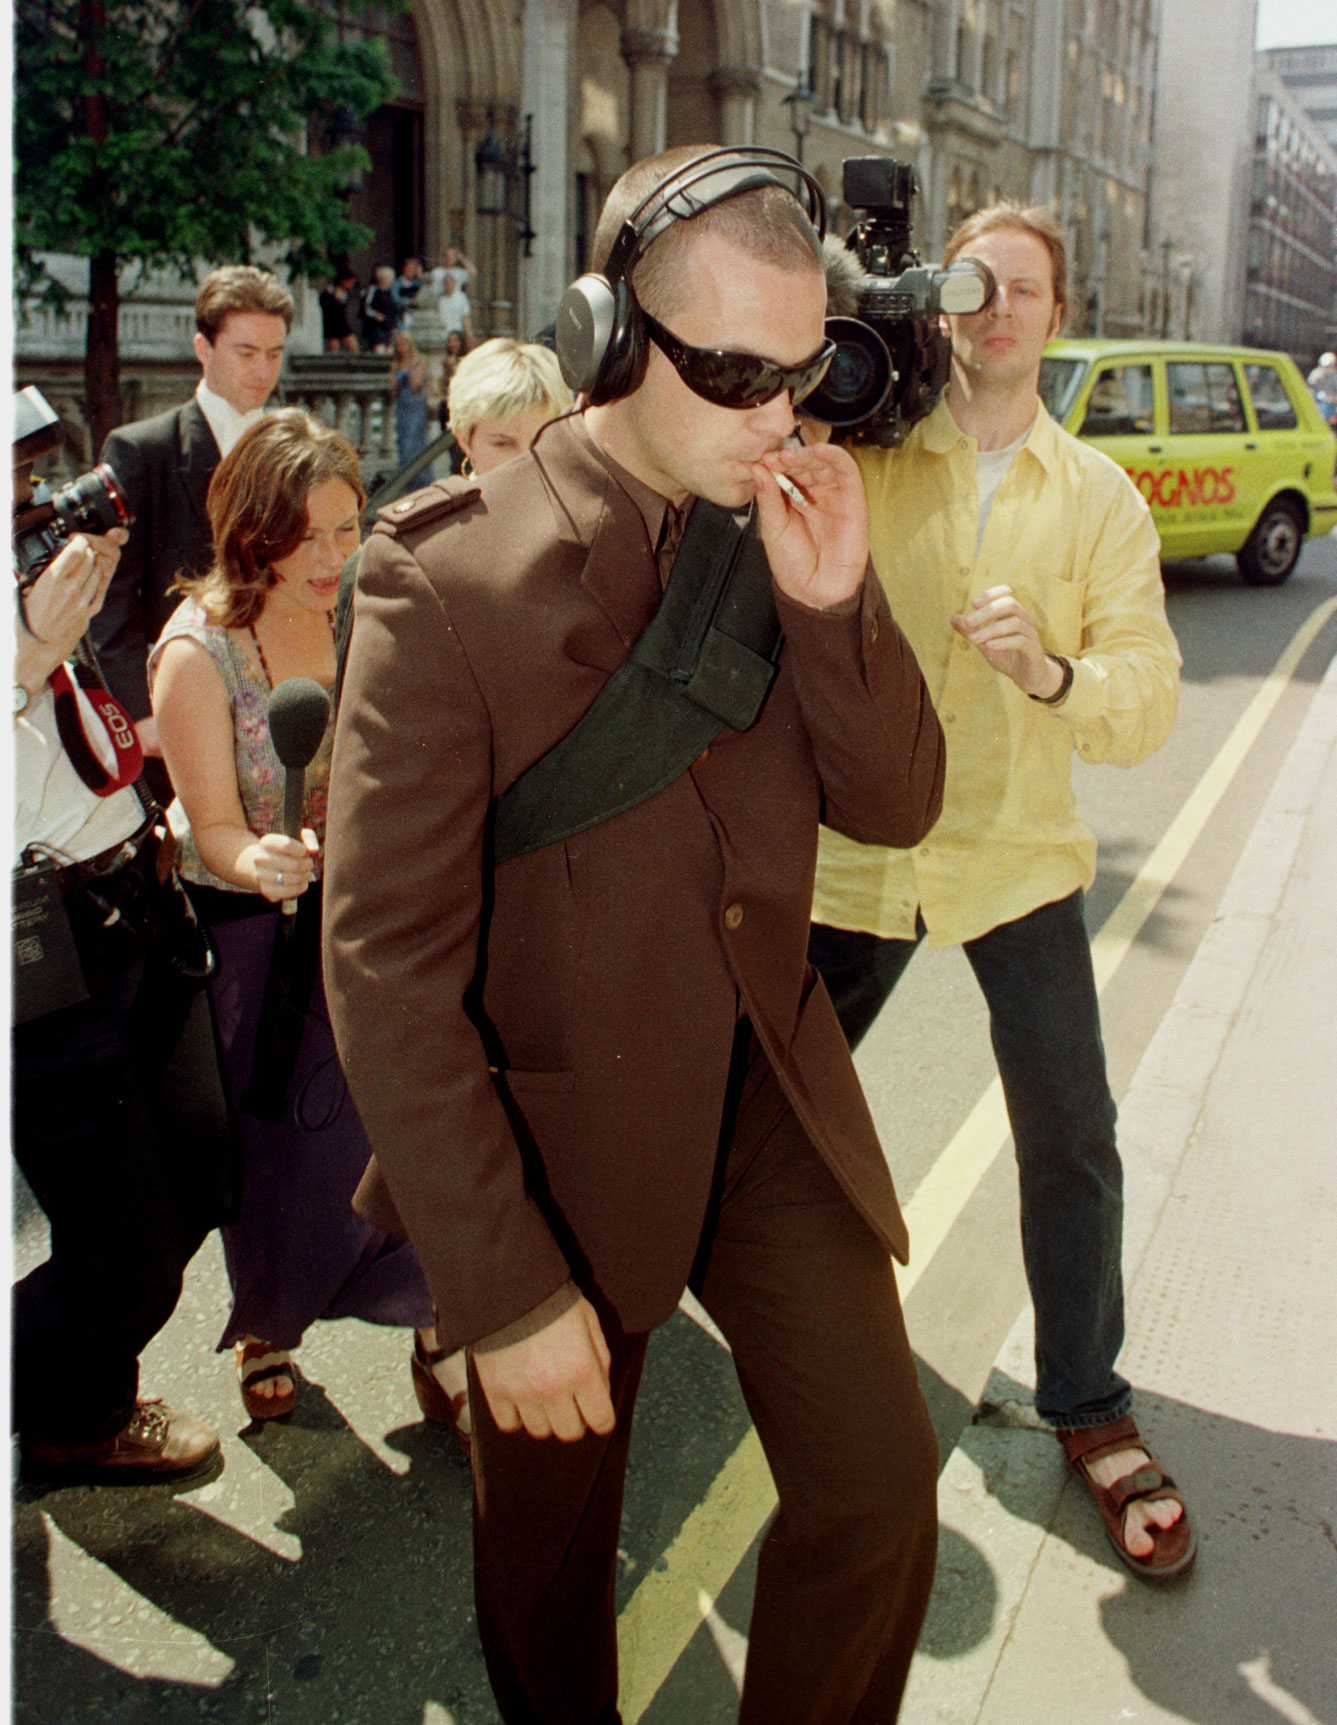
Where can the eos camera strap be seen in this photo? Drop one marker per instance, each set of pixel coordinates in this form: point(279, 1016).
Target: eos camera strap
point(706, 660)
point(105, 753)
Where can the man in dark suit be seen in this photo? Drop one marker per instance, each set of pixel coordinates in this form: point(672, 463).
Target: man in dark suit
point(242, 319)
point(600, 1072)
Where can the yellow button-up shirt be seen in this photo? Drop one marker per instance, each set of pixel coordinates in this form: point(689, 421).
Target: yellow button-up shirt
point(1075, 542)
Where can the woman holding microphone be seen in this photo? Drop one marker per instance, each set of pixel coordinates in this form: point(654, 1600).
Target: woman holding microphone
point(284, 511)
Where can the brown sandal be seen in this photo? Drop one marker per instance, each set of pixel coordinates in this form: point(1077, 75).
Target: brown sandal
point(1174, 1547)
point(259, 1363)
point(435, 1401)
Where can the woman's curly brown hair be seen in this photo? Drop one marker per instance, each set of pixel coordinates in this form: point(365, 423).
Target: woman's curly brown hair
point(258, 509)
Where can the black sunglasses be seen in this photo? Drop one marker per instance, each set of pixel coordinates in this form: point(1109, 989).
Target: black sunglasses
point(738, 379)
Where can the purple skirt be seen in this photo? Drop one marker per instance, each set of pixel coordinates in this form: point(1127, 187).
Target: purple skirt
point(297, 1250)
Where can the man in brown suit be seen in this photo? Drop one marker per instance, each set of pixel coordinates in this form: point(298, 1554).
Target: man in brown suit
point(601, 1072)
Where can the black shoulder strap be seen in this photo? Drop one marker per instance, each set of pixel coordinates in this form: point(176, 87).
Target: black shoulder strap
point(343, 620)
point(706, 660)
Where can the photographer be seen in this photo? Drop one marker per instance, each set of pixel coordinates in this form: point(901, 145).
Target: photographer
point(119, 1122)
point(1024, 569)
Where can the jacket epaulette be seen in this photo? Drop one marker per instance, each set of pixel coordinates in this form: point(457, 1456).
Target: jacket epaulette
point(426, 507)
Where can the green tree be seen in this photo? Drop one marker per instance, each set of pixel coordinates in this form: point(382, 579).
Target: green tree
point(164, 132)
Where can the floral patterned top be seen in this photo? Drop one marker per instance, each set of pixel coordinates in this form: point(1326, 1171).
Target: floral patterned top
point(259, 771)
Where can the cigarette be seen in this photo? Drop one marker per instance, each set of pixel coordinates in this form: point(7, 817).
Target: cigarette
point(791, 490)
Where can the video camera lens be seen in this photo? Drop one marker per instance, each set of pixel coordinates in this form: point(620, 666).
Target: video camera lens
point(859, 377)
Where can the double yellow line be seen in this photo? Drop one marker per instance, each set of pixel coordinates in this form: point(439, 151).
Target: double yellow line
point(668, 1607)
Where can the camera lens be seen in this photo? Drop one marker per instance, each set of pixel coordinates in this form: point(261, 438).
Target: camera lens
point(91, 504)
point(859, 377)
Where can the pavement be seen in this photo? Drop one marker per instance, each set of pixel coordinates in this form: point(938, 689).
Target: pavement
point(322, 1576)
point(1230, 1153)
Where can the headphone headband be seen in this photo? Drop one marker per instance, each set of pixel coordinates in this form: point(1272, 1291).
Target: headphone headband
point(706, 180)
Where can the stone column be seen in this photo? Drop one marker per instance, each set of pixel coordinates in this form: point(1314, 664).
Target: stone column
point(647, 54)
point(736, 89)
point(549, 48)
point(472, 118)
point(946, 17)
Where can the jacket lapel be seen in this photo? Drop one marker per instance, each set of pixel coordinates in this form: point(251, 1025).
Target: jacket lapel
point(199, 456)
point(594, 511)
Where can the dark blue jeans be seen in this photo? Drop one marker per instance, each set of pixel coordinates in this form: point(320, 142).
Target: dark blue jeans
point(1044, 1019)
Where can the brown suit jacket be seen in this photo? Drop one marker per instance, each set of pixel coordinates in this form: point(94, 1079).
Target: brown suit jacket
point(539, 1052)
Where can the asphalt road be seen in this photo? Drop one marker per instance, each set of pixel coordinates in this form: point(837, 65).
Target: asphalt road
point(323, 1576)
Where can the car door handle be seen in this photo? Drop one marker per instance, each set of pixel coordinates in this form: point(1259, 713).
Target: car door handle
point(1154, 448)
point(1251, 446)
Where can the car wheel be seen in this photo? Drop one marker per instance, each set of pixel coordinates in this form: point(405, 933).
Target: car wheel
point(1271, 551)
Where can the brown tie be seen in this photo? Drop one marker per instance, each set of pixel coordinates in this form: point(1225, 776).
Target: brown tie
point(670, 537)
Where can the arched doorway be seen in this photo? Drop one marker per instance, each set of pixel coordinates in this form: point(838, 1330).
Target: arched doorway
point(389, 200)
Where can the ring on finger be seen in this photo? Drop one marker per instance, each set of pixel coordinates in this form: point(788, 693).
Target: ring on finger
point(278, 878)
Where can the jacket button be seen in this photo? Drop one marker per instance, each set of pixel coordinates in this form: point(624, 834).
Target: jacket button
point(872, 630)
point(703, 757)
point(733, 916)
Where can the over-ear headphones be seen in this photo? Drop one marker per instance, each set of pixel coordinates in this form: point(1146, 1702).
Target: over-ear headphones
point(600, 338)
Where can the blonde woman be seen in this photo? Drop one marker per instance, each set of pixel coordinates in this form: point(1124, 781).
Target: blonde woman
point(499, 397)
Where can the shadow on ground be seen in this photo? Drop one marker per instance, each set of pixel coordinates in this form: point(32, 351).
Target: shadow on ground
point(1245, 1637)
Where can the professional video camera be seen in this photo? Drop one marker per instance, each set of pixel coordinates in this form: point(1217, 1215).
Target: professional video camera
point(44, 519)
point(891, 362)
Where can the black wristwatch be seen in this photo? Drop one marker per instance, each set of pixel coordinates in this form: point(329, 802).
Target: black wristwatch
point(1065, 665)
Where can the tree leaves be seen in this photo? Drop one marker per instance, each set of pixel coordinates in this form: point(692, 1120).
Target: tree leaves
point(217, 118)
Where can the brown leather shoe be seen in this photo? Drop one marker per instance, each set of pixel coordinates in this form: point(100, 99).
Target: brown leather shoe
point(155, 1444)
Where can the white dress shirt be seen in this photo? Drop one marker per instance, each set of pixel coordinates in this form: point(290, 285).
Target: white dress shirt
point(225, 422)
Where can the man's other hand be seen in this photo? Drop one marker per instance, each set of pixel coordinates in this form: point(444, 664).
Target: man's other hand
point(555, 1382)
point(1005, 632)
point(817, 543)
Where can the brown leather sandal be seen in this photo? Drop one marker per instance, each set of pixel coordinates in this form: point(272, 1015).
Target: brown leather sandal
point(259, 1363)
point(1174, 1547)
point(435, 1401)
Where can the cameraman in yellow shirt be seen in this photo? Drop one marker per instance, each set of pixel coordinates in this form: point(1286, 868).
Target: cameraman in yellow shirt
point(1024, 569)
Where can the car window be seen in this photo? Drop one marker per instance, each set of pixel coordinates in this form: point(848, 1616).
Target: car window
point(1120, 403)
point(1059, 379)
point(1271, 404)
point(1204, 397)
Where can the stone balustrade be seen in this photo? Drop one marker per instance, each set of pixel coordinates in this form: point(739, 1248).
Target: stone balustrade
point(350, 391)
point(353, 393)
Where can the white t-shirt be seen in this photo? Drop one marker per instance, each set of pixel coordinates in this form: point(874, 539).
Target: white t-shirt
point(437, 278)
point(991, 467)
point(453, 309)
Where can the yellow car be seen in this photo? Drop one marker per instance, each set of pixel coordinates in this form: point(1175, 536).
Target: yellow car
point(1225, 443)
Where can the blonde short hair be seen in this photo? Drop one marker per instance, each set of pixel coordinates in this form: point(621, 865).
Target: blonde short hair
point(501, 378)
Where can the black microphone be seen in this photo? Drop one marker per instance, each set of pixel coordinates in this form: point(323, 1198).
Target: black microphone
point(298, 711)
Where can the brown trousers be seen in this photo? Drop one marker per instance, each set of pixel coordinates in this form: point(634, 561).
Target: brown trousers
point(805, 1294)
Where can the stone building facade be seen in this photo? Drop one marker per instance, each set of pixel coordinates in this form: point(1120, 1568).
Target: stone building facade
point(1291, 285)
point(1310, 74)
point(1041, 100)
point(1203, 135)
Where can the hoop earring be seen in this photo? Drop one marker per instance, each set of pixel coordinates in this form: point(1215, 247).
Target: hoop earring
point(467, 467)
